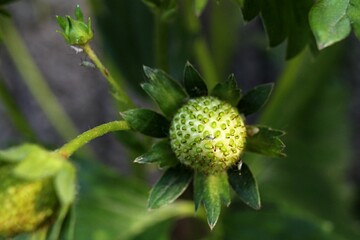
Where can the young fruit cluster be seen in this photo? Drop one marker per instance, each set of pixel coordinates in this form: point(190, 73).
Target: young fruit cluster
point(208, 134)
point(25, 205)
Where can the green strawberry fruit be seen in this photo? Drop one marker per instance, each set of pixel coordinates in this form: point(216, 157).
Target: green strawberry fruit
point(24, 205)
point(208, 135)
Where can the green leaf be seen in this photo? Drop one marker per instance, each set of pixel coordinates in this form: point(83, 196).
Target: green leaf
point(147, 122)
point(167, 93)
point(244, 184)
point(57, 227)
point(353, 13)
point(4, 13)
point(200, 6)
point(17, 153)
point(212, 191)
point(39, 164)
point(228, 91)
point(275, 15)
point(255, 99)
point(65, 184)
point(169, 187)
point(193, 82)
point(329, 21)
point(265, 140)
point(250, 8)
point(160, 153)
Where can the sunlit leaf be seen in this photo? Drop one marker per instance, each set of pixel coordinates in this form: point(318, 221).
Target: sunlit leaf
point(329, 21)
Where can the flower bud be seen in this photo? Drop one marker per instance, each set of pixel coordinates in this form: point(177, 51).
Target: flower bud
point(75, 31)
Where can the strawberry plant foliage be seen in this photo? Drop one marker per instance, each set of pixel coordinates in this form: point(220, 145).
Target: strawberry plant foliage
point(205, 138)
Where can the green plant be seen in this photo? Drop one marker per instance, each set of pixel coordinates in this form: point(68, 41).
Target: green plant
point(204, 135)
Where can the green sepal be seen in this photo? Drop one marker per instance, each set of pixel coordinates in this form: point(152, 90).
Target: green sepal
point(194, 84)
point(249, 8)
point(244, 184)
point(65, 184)
point(38, 164)
point(167, 93)
point(228, 91)
point(62, 22)
point(17, 153)
point(265, 140)
point(78, 13)
point(255, 99)
point(212, 191)
point(169, 187)
point(329, 21)
point(55, 230)
point(147, 122)
point(160, 153)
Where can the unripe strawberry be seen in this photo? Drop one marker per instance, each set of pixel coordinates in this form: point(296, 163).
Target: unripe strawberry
point(208, 134)
point(24, 205)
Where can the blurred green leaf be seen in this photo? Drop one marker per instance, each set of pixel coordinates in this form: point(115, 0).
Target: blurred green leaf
point(213, 191)
point(113, 207)
point(274, 223)
point(65, 184)
point(4, 13)
point(228, 91)
point(147, 122)
point(265, 140)
point(169, 187)
point(193, 82)
point(167, 93)
point(199, 6)
point(244, 184)
point(329, 21)
point(255, 99)
point(39, 163)
point(160, 153)
point(17, 153)
point(3, 2)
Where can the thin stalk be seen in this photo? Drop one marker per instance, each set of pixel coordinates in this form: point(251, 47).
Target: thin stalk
point(201, 49)
point(34, 80)
point(117, 91)
point(161, 42)
point(71, 147)
point(15, 115)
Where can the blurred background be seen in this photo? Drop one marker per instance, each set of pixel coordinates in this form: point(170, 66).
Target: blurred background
point(314, 193)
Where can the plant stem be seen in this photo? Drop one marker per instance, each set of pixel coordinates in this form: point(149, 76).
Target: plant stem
point(117, 91)
point(14, 113)
point(69, 148)
point(34, 80)
point(200, 46)
point(160, 41)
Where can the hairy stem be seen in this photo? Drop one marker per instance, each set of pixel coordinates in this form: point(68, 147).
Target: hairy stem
point(69, 148)
point(117, 91)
